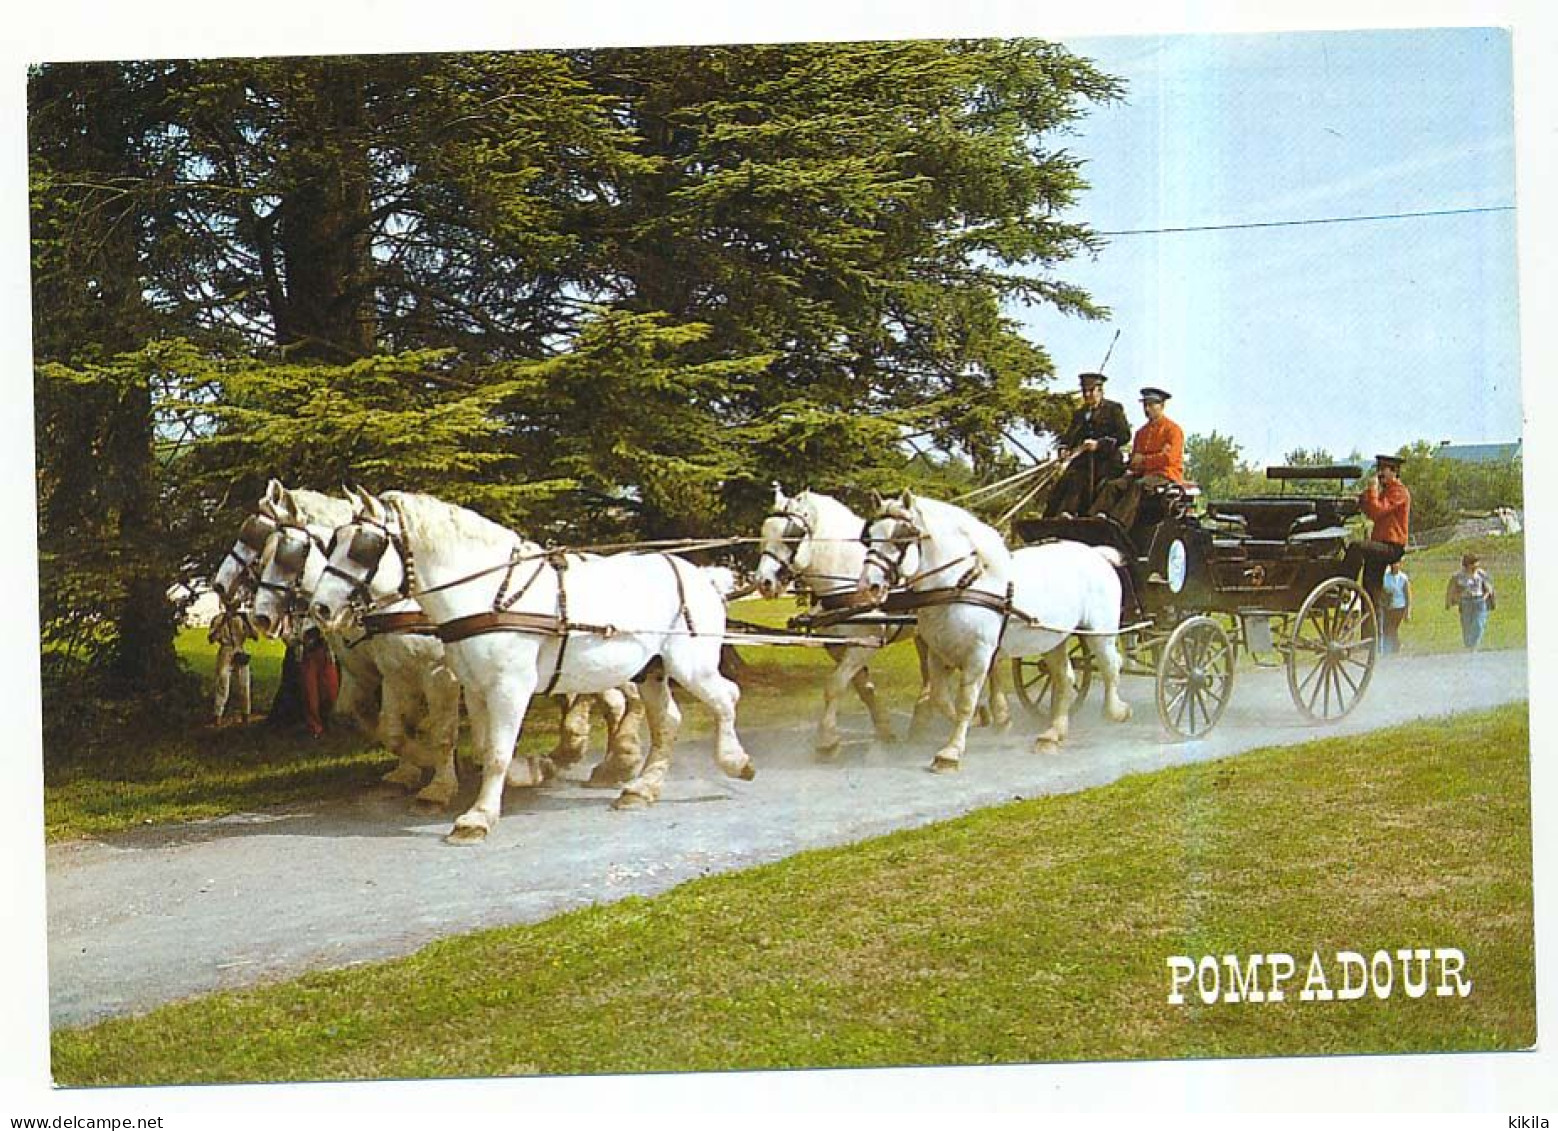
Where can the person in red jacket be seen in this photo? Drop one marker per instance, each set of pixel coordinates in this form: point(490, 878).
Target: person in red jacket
point(321, 681)
point(1157, 459)
point(1387, 501)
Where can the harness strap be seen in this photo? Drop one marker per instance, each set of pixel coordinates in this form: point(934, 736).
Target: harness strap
point(681, 596)
point(479, 624)
point(559, 564)
point(381, 624)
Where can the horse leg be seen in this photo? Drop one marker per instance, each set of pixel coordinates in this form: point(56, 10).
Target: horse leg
point(881, 721)
point(995, 687)
point(573, 738)
point(925, 704)
point(943, 679)
point(695, 665)
point(498, 713)
point(833, 686)
point(950, 756)
point(1058, 662)
point(1107, 653)
point(624, 746)
point(665, 720)
point(442, 728)
point(392, 732)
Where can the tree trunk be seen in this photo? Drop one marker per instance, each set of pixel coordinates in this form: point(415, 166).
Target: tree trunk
point(323, 234)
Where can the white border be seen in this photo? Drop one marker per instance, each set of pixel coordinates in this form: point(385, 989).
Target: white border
point(1507, 1084)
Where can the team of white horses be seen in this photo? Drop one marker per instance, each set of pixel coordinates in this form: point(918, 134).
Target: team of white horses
point(425, 603)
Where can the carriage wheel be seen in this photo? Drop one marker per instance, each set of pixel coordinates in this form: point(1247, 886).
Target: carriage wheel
point(1332, 652)
point(1195, 677)
point(1031, 679)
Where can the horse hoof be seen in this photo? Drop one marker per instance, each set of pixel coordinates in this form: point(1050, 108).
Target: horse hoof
point(945, 765)
point(602, 777)
point(1046, 746)
point(466, 834)
point(828, 749)
point(747, 772)
point(627, 801)
point(886, 735)
point(429, 805)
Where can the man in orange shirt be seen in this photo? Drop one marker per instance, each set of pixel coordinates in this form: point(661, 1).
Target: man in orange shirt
point(1157, 459)
point(1388, 502)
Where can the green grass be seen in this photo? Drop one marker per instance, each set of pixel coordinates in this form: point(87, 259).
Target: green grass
point(1037, 931)
point(188, 775)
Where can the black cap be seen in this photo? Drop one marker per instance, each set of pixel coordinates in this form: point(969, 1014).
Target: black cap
point(1152, 394)
point(1086, 379)
point(1388, 461)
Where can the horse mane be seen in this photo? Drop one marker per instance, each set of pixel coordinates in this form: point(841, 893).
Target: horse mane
point(317, 508)
point(990, 549)
point(429, 521)
point(827, 509)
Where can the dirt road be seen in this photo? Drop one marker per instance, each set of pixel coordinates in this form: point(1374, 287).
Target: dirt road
point(149, 917)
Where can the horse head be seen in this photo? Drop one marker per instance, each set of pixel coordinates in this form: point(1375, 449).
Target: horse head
point(289, 568)
point(364, 563)
point(892, 542)
point(785, 543)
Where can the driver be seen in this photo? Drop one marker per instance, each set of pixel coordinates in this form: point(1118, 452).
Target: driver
point(1157, 459)
point(1095, 445)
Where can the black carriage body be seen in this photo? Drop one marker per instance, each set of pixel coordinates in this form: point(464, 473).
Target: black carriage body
point(1248, 556)
point(1265, 575)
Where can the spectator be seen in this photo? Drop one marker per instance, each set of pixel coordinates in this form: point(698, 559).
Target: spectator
point(1471, 590)
point(321, 681)
point(230, 631)
point(1397, 590)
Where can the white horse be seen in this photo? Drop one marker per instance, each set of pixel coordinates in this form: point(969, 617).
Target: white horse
point(811, 541)
point(237, 580)
point(417, 656)
point(517, 620)
point(418, 717)
point(984, 603)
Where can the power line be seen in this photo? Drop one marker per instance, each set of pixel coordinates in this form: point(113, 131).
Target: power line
point(1302, 223)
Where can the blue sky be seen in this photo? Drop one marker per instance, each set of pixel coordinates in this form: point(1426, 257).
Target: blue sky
point(1348, 336)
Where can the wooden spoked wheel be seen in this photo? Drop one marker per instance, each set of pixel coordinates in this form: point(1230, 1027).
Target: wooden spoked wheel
point(1195, 677)
point(1333, 649)
point(1030, 678)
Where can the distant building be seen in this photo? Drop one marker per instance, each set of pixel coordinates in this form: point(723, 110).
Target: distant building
point(1480, 453)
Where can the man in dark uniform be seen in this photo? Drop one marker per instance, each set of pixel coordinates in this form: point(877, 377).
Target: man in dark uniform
point(1094, 441)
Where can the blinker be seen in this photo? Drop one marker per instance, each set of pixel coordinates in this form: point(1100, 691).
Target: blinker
point(291, 554)
point(368, 546)
point(254, 532)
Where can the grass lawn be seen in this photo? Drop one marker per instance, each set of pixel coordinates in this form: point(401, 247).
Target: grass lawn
point(1036, 931)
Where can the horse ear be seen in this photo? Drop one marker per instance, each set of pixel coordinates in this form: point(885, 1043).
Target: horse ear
point(285, 506)
point(877, 502)
point(908, 499)
point(779, 499)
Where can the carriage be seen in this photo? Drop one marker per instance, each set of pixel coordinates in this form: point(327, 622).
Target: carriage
point(1261, 577)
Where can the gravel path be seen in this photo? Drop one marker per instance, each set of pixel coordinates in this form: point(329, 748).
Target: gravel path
point(143, 918)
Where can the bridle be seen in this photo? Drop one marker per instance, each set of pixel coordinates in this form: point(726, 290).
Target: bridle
point(796, 531)
point(290, 561)
point(901, 536)
point(252, 536)
point(369, 541)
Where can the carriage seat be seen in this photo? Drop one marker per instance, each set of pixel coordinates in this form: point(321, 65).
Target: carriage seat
point(1279, 519)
